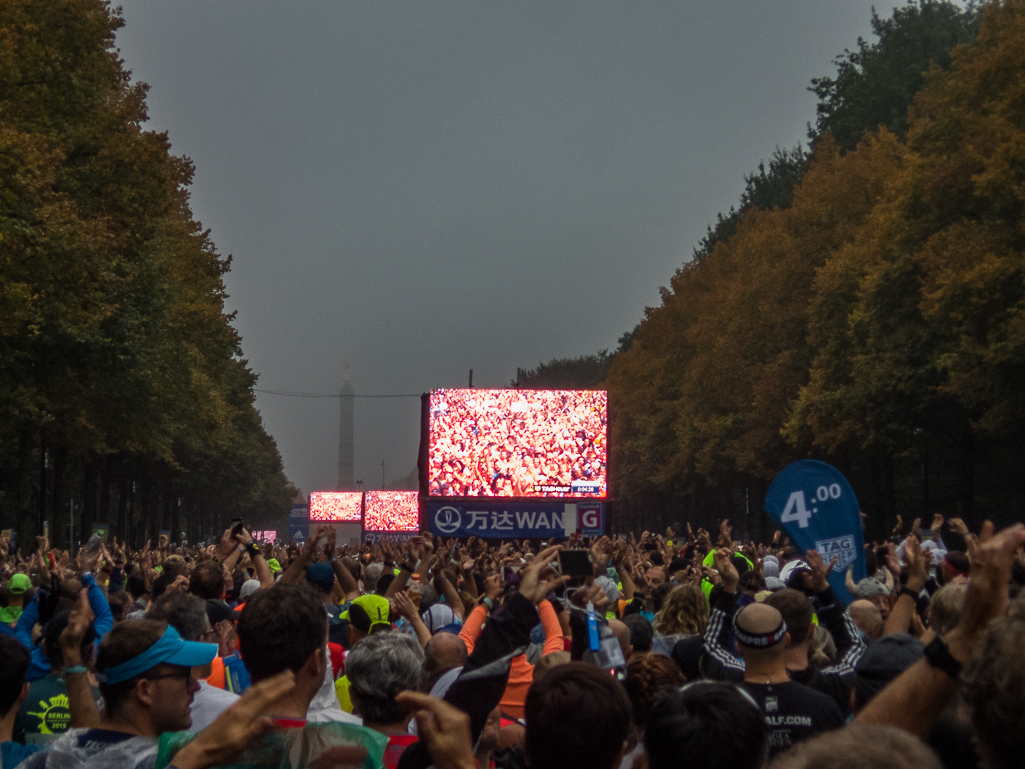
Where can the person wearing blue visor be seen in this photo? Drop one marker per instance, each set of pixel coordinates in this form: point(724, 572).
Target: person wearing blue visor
point(145, 672)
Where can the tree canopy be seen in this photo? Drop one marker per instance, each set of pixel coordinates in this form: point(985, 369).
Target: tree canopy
point(122, 381)
point(875, 323)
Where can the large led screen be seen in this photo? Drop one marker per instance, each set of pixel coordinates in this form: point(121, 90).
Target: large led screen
point(517, 443)
point(392, 511)
point(336, 506)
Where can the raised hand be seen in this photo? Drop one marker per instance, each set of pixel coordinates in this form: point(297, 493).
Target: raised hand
point(329, 547)
point(445, 729)
point(492, 587)
point(992, 557)
point(818, 579)
point(726, 569)
point(88, 560)
point(958, 526)
point(404, 605)
point(725, 534)
point(78, 624)
point(237, 727)
point(531, 585)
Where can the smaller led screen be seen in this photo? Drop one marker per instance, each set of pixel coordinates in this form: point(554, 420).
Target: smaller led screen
point(264, 536)
point(336, 506)
point(392, 511)
point(517, 443)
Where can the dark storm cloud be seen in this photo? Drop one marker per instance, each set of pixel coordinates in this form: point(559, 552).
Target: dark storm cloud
point(421, 189)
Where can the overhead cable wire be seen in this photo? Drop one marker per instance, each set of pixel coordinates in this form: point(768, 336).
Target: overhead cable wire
point(332, 395)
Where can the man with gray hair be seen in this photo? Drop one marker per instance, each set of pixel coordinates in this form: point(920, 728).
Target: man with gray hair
point(186, 613)
point(380, 667)
point(370, 576)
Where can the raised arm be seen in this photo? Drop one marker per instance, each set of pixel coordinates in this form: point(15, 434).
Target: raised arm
point(297, 569)
point(445, 586)
point(554, 641)
point(473, 624)
point(722, 664)
point(259, 562)
point(81, 702)
point(834, 616)
point(405, 607)
point(350, 588)
point(903, 611)
point(916, 698)
point(103, 620)
point(619, 560)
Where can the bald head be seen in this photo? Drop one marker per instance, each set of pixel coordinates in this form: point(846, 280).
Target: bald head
point(443, 652)
point(759, 618)
point(761, 633)
point(867, 617)
point(622, 633)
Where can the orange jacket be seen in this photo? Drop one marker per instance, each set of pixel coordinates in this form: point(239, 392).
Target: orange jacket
point(521, 672)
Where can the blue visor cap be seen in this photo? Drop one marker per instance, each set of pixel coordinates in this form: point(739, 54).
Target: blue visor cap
point(169, 650)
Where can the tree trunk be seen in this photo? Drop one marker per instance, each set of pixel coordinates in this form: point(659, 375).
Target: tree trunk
point(966, 480)
point(41, 500)
point(59, 516)
point(27, 523)
point(172, 501)
point(106, 467)
point(88, 498)
point(123, 485)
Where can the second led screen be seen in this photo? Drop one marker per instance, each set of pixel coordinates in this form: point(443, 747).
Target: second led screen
point(392, 511)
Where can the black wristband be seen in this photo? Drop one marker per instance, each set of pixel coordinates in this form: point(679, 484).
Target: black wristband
point(938, 655)
point(253, 549)
point(909, 592)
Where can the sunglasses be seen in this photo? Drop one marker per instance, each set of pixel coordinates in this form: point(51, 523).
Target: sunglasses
point(183, 673)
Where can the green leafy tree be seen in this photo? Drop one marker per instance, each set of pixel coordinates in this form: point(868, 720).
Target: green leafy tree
point(584, 373)
point(122, 380)
point(876, 83)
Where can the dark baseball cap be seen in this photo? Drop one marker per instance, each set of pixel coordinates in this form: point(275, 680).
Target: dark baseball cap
point(883, 661)
point(217, 610)
point(321, 575)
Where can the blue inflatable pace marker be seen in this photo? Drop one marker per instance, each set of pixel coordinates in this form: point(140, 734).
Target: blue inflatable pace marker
point(816, 507)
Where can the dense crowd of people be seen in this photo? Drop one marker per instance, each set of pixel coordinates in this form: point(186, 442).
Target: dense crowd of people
point(392, 511)
point(516, 443)
point(687, 650)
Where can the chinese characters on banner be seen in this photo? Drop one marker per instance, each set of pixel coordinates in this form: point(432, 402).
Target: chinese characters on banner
point(517, 520)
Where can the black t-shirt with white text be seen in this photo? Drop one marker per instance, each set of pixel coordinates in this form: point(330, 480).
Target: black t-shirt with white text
point(793, 712)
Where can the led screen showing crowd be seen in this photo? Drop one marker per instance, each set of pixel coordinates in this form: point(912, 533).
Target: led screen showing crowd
point(392, 511)
point(336, 506)
point(517, 443)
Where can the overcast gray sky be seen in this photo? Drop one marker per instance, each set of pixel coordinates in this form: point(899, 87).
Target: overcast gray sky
point(419, 189)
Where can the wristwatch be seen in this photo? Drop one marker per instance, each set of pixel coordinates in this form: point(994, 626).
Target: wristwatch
point(908, 592)
point(938, 655)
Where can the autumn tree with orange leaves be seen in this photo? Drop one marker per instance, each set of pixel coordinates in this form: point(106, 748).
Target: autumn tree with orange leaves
point(877, 323)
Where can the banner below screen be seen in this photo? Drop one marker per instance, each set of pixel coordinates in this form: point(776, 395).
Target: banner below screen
point(515, 520)
point(373, 537)
point(816, 506)
point(298, 522)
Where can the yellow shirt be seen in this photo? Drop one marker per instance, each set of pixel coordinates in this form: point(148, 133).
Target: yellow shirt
point(342, 692)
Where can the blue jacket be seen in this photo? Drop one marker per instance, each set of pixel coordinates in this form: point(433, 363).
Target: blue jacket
point(102, 624)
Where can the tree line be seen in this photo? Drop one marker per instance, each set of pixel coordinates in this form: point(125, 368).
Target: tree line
point(865, 305)
point(123, 386)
